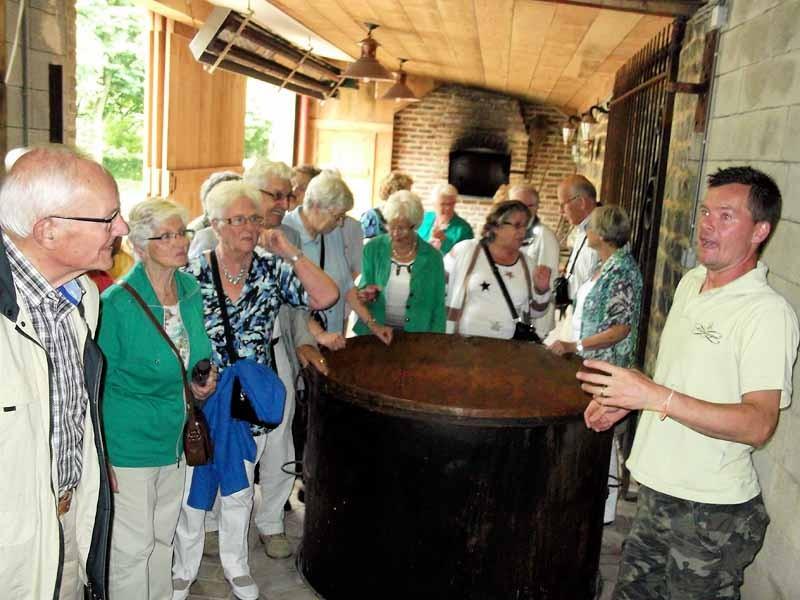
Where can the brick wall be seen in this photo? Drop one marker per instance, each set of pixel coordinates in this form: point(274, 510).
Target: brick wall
point(51, 40)
point(427, 131)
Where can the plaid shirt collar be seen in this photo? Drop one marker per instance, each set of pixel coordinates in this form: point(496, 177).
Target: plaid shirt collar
point(34, 287)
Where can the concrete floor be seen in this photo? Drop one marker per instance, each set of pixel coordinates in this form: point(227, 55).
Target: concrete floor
point(279, 579)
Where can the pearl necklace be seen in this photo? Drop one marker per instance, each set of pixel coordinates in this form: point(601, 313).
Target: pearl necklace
point(234, 279)
point(407, 256)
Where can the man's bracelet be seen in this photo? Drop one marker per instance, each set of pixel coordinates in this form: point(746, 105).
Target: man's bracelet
point(664, 408)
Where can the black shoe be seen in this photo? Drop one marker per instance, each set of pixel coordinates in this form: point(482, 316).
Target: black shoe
point(287, 507)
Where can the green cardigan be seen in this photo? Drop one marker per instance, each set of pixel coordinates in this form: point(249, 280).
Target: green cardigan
point(425, 309)
point(457, 230)
point(143, 405)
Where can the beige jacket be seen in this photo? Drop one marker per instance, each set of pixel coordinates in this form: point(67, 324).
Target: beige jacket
point(30, 553)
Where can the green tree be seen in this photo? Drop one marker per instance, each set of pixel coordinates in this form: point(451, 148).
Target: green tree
point(110, 84)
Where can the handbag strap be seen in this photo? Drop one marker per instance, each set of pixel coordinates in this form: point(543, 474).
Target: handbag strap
point(458, 312)
point(188, 396)
point(501, 283)
point(223, 309)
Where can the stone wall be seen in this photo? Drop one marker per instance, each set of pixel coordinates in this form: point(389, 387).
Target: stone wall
point(426, 132)
point(756, 120)
point(51, 40)
point(680, 188)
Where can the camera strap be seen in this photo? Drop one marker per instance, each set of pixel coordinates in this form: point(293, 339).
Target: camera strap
point(577, 254)
point(502, 284)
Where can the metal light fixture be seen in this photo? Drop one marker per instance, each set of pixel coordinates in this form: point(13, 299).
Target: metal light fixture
point(568, 129)
point(400, 92)
point(588, 119)
point(367, 68)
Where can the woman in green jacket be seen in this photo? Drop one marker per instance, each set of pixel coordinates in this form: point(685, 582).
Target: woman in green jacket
point(143, 398)
point(403, 276)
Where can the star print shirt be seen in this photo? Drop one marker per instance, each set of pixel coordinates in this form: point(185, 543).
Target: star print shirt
point(484, 311)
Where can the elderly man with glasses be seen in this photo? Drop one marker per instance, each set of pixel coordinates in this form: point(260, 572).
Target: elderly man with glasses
point(59, 217)
point(577, 199)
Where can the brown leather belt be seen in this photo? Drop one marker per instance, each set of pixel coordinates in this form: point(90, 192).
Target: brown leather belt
point(64, 502)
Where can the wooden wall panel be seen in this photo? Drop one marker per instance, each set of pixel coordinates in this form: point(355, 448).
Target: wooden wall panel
point(195, 120)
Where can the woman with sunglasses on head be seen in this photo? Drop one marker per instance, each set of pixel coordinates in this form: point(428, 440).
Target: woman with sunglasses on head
point(144, 407)
point(255, 282)
point(494, 290)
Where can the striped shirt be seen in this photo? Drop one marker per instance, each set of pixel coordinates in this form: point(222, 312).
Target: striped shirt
point(50, 315)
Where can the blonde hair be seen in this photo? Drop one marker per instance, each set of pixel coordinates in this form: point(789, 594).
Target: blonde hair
point(394, 182)
point(147, 215)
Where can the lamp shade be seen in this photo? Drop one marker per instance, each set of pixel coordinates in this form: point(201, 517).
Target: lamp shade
point(400, 90)
point(367, 67)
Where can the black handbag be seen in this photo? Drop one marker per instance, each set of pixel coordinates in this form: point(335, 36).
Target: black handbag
point(198, 449)
point(523, 330)
point(241, 406)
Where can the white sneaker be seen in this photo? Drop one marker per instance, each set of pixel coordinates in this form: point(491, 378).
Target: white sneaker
point(244, 588)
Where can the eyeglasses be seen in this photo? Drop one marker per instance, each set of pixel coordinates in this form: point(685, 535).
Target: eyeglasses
point(516, 226)
point(240, 220)
point(279, 195)
point(107, 221)
point(183, 234)
point(571, 200)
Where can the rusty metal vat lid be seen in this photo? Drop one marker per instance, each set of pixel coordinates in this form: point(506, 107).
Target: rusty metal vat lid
point(457, 377)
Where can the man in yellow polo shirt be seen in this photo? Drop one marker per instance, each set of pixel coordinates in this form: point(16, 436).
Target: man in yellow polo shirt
point(724, 371)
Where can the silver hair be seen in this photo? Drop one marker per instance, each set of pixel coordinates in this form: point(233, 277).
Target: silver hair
point(328, 191)
point(522, 188)
point(263, 170)
point(213, 181)
point(227, 192)
point(403, 204)
point(43, 181)
point(612, 224)
point(443, 189)
point(146, 216)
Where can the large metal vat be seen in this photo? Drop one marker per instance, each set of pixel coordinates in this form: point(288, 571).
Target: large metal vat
point(447, 467)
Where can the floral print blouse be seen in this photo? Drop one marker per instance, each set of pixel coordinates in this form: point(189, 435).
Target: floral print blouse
point(271, 282)
point(615, 299)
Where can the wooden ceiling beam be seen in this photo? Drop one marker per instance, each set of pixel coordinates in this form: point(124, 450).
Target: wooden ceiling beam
point(662, 8)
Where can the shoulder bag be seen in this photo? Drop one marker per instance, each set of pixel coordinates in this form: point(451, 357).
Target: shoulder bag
point(523, 330)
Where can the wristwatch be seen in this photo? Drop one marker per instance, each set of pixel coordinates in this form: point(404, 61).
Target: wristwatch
point(295, 257)
point(579, 346)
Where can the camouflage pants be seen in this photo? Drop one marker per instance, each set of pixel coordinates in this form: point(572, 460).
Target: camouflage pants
point(683, 550)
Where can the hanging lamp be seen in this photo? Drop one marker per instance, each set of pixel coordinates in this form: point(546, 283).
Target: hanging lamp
point(367, 68)
point(400, 92)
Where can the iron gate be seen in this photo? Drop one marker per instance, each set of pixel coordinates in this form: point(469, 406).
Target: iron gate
point(639, 126)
